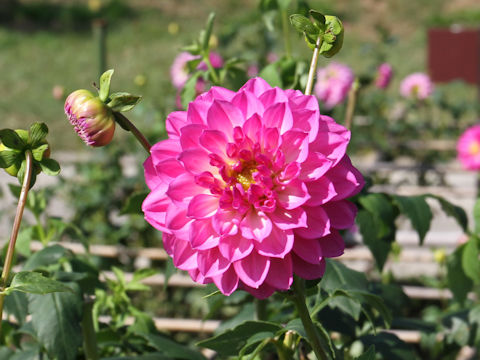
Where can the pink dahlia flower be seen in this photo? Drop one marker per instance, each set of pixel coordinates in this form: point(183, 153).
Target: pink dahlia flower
point(417, 86)
point(179, 71)
point(384, 75)
point(250, 188)
point(333, 84)
point(468, 148)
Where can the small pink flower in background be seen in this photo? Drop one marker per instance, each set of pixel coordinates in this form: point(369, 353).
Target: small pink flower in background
point(215, 59)
point(272, 57)
point(58, 92)
point(250, 188)
point(252, 70)
point(179, 71)
point(333, 84)
point(417, 86)
point(92, 119)
point(384, 76)
point(468, 148)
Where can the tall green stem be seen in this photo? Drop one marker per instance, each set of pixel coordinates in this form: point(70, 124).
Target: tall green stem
point(128, 125)
point(211, 69)
point(298, 299)
point(22, 200)
point(313, 66)
point(88, 329)
point(352, 101)
point(286, 37)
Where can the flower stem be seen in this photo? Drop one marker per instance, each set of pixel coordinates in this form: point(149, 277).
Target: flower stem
point(313, 66)
point(298, 299)
point(89, 336)
point(286, 38)
point(352, 100)
point(128, 125)
point(211, 69)
point(22, 200)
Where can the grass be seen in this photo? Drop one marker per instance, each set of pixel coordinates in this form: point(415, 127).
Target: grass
point(34, 61)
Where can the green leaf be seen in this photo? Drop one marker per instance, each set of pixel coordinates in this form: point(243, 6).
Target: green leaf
point(39, 151)
point(105, 80)
point(35, 283)
point(325, 340)
point(37, 134)
point(134, 203)
point(389, 346)
point(369, 354)
point(459, 332)
point(22, 172)
point(303, 25)
point(11, 139)
point(284, 4)
point(271, 75)
point(205, 37)
point(318, 17)
point(189, 91)
point(418, 211)
point(50, 166)
point(476, 216)
point(231, 341)
point(45, 257)
point(8, 158)
point(24, 239)
point(452, 210)
point(56, 320)
point(338, 276)
point(122, 101)
point(172, 349)
point(254, 340)
point(151, 356)
point(470, 260)
point(375, 302)
point(458, 282)
point(16, 304)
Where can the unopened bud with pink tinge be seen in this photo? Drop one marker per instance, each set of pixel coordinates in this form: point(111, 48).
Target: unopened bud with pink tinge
point(93, 120)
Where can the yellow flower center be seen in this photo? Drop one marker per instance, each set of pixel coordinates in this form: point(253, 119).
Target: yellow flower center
point(474, 148)
point(245, 177)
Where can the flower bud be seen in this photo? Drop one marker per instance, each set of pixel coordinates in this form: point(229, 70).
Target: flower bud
point(333, 37)
point(93, 120)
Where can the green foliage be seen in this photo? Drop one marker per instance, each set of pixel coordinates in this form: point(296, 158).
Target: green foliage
point(35, 283)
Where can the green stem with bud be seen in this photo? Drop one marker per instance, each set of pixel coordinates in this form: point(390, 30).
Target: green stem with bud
point(313, 66)
point(298, 298)
point(351, 102)
point(22, 200)
point(128, 125)
point(211, 69)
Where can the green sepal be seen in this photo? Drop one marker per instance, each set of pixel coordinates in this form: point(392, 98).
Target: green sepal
point(122, 101)
point(207, 33)
point(37, 134)
point(35, 283)
point(303, 25)
point(8, 158)
point(318, 17)
point(193, 49)
point(39, 151)
point(105, 80)
point(50, 166)
point(333, 36)
point(11, 139)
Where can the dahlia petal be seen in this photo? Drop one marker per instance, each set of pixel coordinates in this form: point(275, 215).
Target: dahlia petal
point(318, 223)
point(293, 195)
point(175, 121)
point(197, 111)
point(332, 245)
point(321, 191)
point(257, 86)
point(308, 250)
point(176, 217)
point(280, 274)
point(248, 104)
point(227, 282)
point(150, 174)
point(168, 243)
point(184, 257)
point(202, 206)
point(306, 121)
point(278, 116)
point(235, 247)
point(341, 213)
point(306, 270)
point(202, 236)
point(252, 126)
point(219, 93)
point(183, 188)
point(214, 141)
point(256, 225)
point(346, 179)
point(155, 206)
point(264, 291)
point(198, 277)
point(223, 116)
point(211, 263)
point(289, 219)
point(197, 161)
point(315, 166)
point(295, 146)
point(169, 169)
point(278, 244)
point(190, 134)
point(253, 269)
point(272, 97)
point(270, 139)
point(165, 149)
point(225, 222)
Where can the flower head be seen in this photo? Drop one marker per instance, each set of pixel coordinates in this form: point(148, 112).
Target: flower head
point(468, 148)
point(384, 75)
point(93, 120)
point(333, 84)
point(179, 70)
point(417, 86)
point(250, 188)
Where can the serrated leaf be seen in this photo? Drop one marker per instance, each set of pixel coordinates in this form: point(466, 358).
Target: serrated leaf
point(123, 101)
point(11, 139)
point(8, 158)
point(172, 349)
point(134, 203)
point(50, 166)
point(231, 341)
point(458, 282)
point(471, 260)
point(39, 151)
point(37, 133)
point(56, 320)
point(418, 211)
point(452, 210)
point(338, 276)
point(35, 283)
point(105, 80)
point(45, 257)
